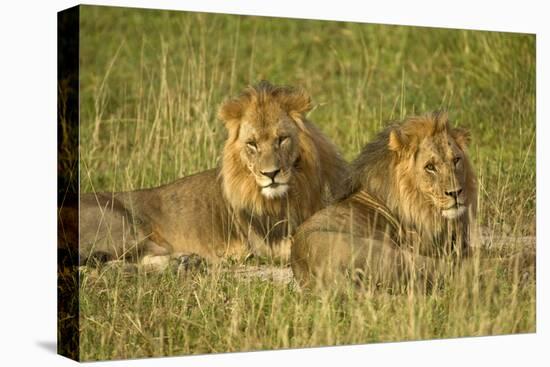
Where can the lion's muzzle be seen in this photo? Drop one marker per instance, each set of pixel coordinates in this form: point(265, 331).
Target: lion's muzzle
point(273, 184)
point(455, 211)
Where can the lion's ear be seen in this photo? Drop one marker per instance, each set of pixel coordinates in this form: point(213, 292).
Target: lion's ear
point(299, 102)
point(231, 110)
point(399, 140)
point(296, 102)
point(441, 121)
point(461, 136)
point(395, 141)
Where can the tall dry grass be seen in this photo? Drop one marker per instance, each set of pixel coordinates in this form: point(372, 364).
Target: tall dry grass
point(151, 82)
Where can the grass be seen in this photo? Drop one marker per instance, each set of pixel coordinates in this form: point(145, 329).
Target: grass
point(151, 82)
point(168, 314)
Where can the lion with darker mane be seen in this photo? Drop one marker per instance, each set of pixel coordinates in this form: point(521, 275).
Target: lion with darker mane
point(277, 170)
point(413, 195)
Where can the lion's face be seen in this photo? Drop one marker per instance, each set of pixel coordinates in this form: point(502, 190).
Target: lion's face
point(433, 166)
point(277, 168)
point(262, 152)
point(268, 144)
point(439, 168)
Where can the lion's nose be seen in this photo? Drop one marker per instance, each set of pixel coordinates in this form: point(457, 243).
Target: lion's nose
point(453, 194)
point(271, 174)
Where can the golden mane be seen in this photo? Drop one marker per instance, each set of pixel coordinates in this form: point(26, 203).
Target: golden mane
point(319, 173)
point(221, 213)
point(381, 171)
point(413, 194)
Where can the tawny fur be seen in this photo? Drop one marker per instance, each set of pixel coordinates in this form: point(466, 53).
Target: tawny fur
point(387, 174)
point(393, 208)
point(221, 212)
point(317, 179)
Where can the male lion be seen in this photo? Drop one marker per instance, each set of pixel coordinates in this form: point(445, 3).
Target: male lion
point(277, 169)
point(413, 193)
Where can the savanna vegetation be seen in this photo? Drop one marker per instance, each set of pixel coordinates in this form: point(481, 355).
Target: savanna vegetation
point(150, 85)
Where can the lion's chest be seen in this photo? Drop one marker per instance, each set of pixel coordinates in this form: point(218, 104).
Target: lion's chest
point(265, 230)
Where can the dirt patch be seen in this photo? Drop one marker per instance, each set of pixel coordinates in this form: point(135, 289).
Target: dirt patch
point(265, 272)
point(283, 274)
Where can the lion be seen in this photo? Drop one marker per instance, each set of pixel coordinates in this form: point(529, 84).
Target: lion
point(412, 197)
point(277, 169)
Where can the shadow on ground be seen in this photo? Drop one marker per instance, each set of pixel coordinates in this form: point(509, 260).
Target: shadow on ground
point(48, 345)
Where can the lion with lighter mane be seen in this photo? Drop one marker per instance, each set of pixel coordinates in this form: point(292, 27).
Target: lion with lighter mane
point(413, 194)
point(277, 169)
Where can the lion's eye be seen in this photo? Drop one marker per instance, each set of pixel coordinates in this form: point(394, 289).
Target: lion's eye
point(252, 145)
point(456, 160)
point(429, 167)
point(283, 139)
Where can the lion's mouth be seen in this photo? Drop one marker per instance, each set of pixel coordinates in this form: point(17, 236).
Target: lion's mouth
point(273, 185)
point(274, 190)
point(455, 211)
